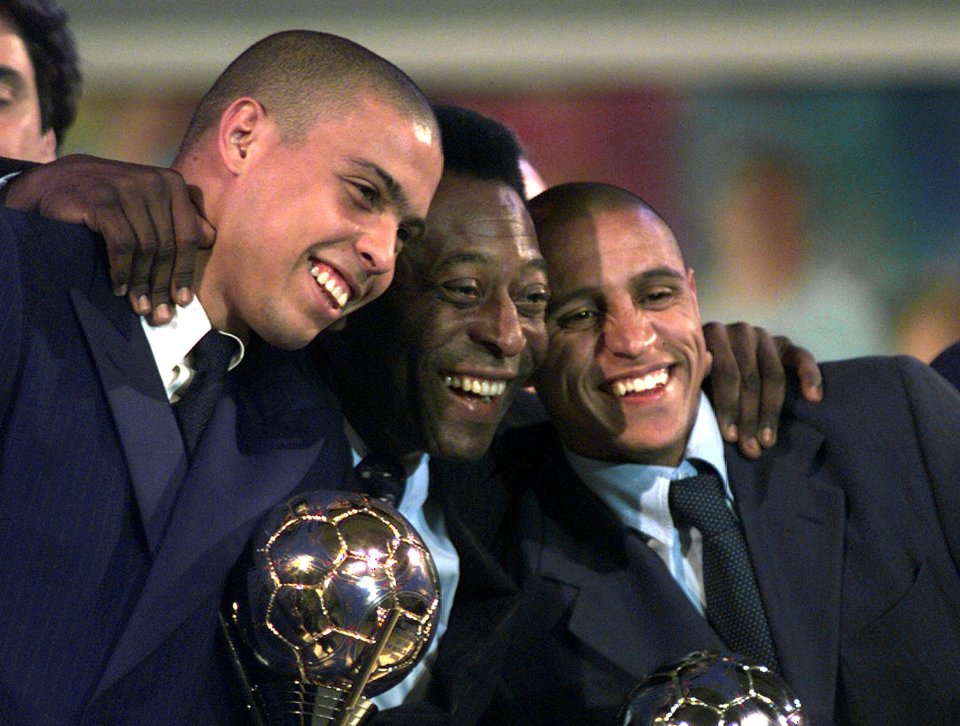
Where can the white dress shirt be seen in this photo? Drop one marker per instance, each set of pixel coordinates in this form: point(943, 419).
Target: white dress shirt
point(428, 520)
point(639, 495)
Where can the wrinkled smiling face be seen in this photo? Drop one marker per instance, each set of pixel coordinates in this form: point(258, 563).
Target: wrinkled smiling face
point(626, 355)
point(309, 231)
point(462, 327)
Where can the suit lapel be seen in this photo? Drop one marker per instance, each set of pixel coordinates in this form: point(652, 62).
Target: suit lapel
point(794, 523)
point(144, 420)
point(486, 600)
point(256, 449)
point(627, 606)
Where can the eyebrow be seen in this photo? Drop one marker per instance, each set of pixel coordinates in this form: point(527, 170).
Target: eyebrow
point(13, 77)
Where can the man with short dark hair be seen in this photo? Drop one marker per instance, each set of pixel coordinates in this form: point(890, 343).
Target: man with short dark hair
point(122, 514)
point(842, 543)
point(39, 79)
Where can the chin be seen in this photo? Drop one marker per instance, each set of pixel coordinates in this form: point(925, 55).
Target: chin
point(462, 448)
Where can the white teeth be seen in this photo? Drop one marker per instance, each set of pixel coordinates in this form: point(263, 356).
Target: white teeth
point(644, 383)
point(331, 284)
point(486, 388)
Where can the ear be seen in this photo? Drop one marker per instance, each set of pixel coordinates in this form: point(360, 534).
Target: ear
point(243, 125)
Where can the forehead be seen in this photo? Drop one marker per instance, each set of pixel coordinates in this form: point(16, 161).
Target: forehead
point(377, 136)
point(481, 219)
point(608, 247)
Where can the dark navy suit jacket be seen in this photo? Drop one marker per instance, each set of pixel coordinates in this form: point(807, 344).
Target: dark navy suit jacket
point(947, 364)
point(853, 524)
point(469, 666)
point(108, 606)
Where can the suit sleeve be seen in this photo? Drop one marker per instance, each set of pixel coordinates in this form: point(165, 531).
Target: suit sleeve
point(935, 406)
point(11, 313)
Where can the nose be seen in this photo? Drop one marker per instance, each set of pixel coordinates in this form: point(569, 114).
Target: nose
point(377, 247)
point(628, 333)
point(498, 326)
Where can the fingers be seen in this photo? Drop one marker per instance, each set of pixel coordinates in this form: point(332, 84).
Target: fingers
point(724, 380)
point(747, 383)
point(772, 385)
point(150, 226)
point(802, 361)
point(192, 233)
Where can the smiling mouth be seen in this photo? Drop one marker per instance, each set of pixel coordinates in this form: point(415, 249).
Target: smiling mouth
point(651, 381)
point(483, 388)
point(336, 290)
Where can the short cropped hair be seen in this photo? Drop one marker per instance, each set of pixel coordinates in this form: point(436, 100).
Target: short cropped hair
point(53, 53)
point(559, 205)
point(480, 146)
point(301, 75)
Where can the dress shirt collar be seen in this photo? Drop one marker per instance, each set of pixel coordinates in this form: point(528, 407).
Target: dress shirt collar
point(170, 344)
point(638, 493)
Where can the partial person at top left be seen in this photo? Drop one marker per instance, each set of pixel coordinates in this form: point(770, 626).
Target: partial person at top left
point(40, 79)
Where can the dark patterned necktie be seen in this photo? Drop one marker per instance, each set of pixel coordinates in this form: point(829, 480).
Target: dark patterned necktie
point(210, 358)
point(734, 608)
point(381, 477)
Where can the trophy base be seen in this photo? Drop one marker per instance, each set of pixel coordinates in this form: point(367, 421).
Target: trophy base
point(330, 707)
point(295, 703)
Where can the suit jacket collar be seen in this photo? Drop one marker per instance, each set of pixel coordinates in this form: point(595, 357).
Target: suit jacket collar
point(617, 578)
point(261, 441)
point(786, 503)
point(794, 519)
point(144, 421)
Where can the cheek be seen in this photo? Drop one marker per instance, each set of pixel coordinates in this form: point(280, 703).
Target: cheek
point(536, 337)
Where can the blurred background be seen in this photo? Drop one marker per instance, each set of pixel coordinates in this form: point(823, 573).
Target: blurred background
point(807, 155)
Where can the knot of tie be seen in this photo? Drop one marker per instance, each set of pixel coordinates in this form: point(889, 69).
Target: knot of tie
point(213, 352)
point(210, 358)
point(699, 501)
point(381, 477)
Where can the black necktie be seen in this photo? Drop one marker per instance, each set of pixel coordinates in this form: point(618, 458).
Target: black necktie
point(210, 358)
point(734, 608)
point(381, 477)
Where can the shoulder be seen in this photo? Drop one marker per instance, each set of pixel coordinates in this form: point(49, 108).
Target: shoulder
point(874, 386)
point(891, 409)
point(947, 364)
point(50, 253)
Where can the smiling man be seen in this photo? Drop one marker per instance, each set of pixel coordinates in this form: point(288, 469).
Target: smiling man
point(315, 160)
point(39, 79)
point(426, 376)
point(849, 583)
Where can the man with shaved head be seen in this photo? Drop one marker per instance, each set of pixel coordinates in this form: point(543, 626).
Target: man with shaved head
point(834, 559)
point(315, 160)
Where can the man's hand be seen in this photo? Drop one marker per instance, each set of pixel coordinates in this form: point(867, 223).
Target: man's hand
point(747, 382)
point(145, 215)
